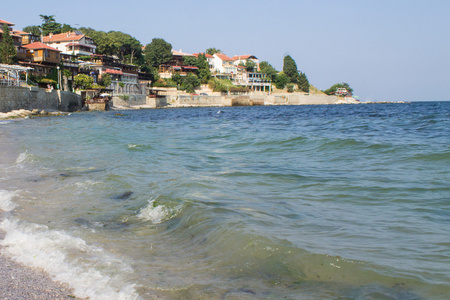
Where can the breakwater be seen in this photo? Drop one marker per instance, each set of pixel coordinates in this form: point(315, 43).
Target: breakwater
point(131, 101)
point(15, 98)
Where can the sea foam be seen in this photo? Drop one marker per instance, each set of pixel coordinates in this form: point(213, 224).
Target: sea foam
point(158, 214)
point(6, 202)
point(89, 270)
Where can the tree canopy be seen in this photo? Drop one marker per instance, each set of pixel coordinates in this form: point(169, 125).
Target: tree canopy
point(212, 51)
point(332, 90)
point(158, 52)
point(49, 25)
point(8, 53)
point(126, 47)
point(34, 29)
point(291, 71)
point(268, 69)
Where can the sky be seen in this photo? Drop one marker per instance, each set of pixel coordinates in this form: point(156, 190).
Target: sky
point(386, 50)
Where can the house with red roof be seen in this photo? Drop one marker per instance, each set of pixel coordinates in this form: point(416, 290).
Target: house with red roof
point(242, 60)
point(74, 42)
point(224, 64)
point(41, 57)
point(16, 37)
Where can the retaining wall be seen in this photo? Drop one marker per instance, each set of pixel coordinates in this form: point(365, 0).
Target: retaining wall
point(129, 100)
point(14, 98)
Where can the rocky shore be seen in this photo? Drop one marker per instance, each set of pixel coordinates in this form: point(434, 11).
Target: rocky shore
point(23, 113)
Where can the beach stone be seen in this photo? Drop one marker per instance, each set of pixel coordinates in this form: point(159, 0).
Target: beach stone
point(35, 111)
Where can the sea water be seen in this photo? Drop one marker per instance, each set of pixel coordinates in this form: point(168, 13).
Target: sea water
point(282, 202)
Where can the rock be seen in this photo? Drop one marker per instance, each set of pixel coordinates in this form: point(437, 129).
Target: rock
point(43, 113)
point(35, 111)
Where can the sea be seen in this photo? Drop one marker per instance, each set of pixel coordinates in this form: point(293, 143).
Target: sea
point(260, 202)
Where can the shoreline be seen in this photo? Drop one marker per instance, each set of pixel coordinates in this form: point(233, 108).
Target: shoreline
point(18, 281)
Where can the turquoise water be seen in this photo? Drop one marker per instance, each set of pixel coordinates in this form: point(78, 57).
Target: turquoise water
point(285, 202)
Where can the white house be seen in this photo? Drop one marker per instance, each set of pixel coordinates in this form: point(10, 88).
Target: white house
point(71, 43)
point(224, 64)
point(242, 59)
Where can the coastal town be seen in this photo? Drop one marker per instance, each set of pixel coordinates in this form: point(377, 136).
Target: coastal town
point(70, 62)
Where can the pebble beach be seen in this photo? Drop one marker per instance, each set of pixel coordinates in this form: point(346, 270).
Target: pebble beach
point(21, 282)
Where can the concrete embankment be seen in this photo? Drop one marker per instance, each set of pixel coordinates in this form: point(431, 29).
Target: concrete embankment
point(174, 101)
point(29, 98)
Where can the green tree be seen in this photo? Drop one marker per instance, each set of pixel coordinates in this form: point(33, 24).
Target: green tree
point(106, 80)
point(66, 28)
point(33, 29)
point(204, 73)
point(8, 53)
point(250, 65)
point(83, 81)
point(332, 90)
point(281, 80)
point(49, 25)
point(190, 82)
point(268, 69)
point(190, 61)
point(212, 51)
point(290, 69)
point(303, 83)
point(158, 52)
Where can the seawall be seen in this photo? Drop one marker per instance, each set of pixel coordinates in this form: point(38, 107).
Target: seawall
point(15, 98)
point(174, 101)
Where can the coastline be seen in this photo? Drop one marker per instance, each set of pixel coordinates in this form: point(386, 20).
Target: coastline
point(18, 281)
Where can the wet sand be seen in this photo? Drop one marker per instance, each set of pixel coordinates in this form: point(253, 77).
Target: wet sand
point(21, 282)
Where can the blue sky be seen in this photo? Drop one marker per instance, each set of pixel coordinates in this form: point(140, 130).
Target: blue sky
point(395, 50)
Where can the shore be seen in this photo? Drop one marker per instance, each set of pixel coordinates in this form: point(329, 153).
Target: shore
point(23, 113)
point(21, 282)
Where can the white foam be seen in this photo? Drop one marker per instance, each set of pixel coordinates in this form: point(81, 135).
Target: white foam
point(6, 203)
point(158, 214)
point(22, 157)
point(88, 270)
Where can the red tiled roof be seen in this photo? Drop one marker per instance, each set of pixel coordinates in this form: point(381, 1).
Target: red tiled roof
point(223, 56)
point(112, 71)
point(63, 37)
point(39, 45)
point(7, 23)
point(242, 57)
point(206, 55)
point(19, 32)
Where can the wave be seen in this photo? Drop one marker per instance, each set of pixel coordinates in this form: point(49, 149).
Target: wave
point(89, 270)
point(158, 213)
point(6, 203)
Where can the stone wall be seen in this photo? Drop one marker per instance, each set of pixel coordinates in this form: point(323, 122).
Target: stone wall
point(299, 99)
point(129, 100)
point(14, 98)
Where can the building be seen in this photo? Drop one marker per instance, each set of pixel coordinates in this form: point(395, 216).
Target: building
point(224, 64)
point(177, 65)
point(242, 60)
point(27, 38)
point(75, 43)
point(41, 57)
point(124, 77)
point(16, 37)
point(256, 82)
